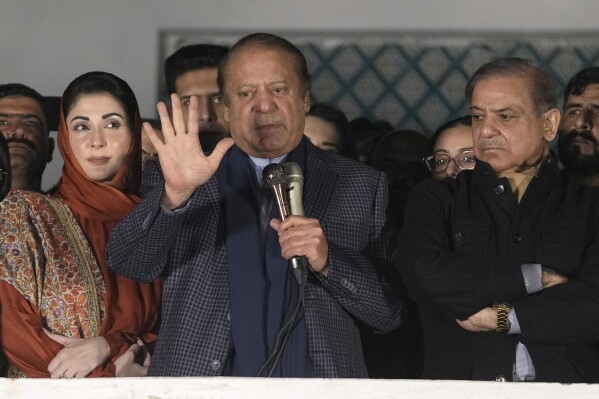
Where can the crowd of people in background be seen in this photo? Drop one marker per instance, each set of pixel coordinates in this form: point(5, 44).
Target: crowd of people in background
point(470, 252)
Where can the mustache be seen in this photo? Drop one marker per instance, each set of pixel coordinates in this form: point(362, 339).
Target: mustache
point(483, 144)
point(583, 134)
point(21, 140)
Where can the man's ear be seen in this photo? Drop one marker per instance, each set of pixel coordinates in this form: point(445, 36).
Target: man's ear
point(551, 121)
point(307, 102)
point(50, 149)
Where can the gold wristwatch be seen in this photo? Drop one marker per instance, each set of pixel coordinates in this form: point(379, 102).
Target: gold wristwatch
point(502, 309)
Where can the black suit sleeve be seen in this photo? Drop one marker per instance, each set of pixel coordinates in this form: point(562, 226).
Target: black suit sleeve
point(432, 267)
point(565, 313)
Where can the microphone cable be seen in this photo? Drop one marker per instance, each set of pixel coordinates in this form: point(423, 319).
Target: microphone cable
point(287, 329)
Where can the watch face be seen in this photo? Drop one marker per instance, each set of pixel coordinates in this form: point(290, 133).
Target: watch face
point(5, 175)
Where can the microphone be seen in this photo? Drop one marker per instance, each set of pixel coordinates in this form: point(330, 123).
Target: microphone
point(275, 179)
point(295, 187)
point(295, 190)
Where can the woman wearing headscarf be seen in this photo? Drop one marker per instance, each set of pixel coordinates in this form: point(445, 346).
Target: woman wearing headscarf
point(63, 313)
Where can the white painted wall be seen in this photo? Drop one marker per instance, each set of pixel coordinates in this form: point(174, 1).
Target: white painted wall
point(47, 43)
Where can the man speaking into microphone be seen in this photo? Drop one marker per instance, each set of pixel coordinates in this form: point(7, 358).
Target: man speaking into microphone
point(209, 226)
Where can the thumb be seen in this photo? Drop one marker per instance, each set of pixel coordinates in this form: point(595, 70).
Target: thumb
point(147, 360)
point(221, 149)
point(275, 224)
point(151, 134)
point(58, 338)
point(135, 348)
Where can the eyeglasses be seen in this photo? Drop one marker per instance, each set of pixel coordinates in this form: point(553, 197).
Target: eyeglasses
point(438, 163)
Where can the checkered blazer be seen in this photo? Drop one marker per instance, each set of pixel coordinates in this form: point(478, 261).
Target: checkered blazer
point(187, 248)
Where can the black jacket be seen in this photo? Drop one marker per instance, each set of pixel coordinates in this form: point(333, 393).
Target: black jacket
point(461, 250)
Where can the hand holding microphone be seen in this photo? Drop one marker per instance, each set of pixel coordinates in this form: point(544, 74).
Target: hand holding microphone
point(298, 235)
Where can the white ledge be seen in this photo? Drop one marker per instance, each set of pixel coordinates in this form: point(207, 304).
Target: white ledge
point(235, 388)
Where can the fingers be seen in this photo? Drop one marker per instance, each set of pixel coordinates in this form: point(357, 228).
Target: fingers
point(57, 369)
point(220, 150)
point(299, 230)
point(154, 139)
point(302, 236)
point(298, 221)
point(147, 359)
point(193, 126)
point(53, 368)
point(58, 338)
point(61, 374)
point(275, 224)
point(165, 122)
point(178, 122)
point(549, 278)
point(135, 348)
point(141, 371)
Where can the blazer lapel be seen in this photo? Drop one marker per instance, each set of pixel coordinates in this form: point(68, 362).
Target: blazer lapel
point(319, 183)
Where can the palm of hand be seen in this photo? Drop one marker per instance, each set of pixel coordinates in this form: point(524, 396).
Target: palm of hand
point(184, 164)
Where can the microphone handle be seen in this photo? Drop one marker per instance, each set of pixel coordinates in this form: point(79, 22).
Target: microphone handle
point(294, 192)
point(298, 263)
point(279, 194)
point(296, 267)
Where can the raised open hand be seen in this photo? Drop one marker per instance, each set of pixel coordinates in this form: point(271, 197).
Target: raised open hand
point(184, 165)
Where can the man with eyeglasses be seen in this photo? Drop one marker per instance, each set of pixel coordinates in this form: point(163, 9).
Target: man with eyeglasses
point(504, 260)
point(579, 130)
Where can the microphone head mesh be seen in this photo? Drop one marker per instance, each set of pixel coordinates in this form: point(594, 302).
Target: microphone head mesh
point(273, 175)
point(293, 172)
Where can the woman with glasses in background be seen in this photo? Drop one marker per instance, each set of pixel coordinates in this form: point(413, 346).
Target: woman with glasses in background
point(452, 149)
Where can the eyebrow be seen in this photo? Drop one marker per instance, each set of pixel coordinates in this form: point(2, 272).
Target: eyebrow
point(112, 114)
point(506, 108)
point(85, 118)
point(579, 105)
point(208, 94)
point(459, 150)
point(20, 116)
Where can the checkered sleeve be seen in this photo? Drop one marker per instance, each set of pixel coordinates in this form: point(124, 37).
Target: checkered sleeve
point(356, 280)
point(139, 245)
